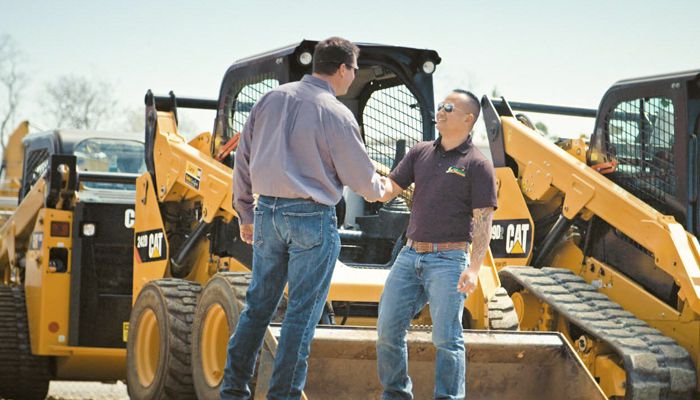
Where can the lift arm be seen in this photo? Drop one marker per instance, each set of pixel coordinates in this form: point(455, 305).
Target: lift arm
point(182, 170)
point(543, 166)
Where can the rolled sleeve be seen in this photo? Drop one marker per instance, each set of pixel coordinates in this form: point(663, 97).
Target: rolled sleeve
point(352, 164)
point(403, 174)
point(483, 180)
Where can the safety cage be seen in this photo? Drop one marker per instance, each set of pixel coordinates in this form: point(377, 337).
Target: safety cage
point(391, 96)
point(642, 126)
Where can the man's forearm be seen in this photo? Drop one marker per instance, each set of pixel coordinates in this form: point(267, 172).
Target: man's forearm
point(481, 236)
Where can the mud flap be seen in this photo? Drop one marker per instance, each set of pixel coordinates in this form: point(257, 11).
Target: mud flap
point(503, 365)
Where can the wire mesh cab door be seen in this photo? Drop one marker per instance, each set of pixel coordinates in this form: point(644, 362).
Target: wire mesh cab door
point(643, 125)
point(409, 105)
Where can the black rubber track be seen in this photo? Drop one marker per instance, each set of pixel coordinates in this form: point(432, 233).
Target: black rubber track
point(23, 376)
point(656, 366)
point(502, 315)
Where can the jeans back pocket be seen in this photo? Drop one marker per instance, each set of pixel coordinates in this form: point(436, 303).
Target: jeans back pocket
point(257, 227)
point(305, 228)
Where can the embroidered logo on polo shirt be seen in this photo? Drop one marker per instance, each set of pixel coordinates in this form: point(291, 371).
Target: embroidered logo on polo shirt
point(456, 170)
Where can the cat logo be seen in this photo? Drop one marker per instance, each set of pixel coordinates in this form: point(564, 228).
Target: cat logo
point(129, 218)
point(151, 246)
point(155, 244)
point(511, 238)
point(516, 238)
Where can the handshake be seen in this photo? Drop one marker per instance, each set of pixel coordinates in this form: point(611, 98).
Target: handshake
point(391, 190)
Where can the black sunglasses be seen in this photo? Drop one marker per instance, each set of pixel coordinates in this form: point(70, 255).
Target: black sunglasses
point(354, 68)
point(449, 107)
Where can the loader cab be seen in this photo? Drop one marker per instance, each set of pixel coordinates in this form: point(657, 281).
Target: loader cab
point(98, 260)
point(392, 100)
point(100, 152)
point(650, 126)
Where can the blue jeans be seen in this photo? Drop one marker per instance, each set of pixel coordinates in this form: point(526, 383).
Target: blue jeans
point(417, 278)
point(295, 241)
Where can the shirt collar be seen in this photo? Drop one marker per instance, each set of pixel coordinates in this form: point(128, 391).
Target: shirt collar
point(318, 82)
point(462, 148)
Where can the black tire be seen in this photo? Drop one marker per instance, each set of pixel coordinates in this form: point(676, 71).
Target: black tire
point(23, 376)
point(158, 362)
point(215, 319)
point(466, 319)
point(227, 291)
point(501, 312)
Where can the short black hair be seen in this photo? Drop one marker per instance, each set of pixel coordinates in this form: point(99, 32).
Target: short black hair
point(473, 102)
point(329, 54)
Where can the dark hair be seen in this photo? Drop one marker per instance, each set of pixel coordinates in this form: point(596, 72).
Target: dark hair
point(329, 54)
point(472, 101)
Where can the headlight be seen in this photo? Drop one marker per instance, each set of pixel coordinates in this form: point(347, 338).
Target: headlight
point(428, 67)
point(305, 58)
point(89, 229)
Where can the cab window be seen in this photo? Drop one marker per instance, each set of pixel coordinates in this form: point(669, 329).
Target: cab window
point(110, 156)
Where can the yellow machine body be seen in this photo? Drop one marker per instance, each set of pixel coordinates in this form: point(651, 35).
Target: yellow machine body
point(541, 178)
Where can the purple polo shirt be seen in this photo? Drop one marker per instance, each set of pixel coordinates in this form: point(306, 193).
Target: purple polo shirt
point(449, 185)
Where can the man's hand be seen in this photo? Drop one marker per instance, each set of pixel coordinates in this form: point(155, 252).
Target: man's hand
point(467, 281)
point(391, 189)
point(247, 233)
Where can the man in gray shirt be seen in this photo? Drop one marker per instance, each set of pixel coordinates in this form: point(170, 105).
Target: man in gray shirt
point(298, 149)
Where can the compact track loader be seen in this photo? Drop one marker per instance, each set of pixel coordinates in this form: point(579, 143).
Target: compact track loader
point(191, 269)
point(66, 261)
point(599, 240)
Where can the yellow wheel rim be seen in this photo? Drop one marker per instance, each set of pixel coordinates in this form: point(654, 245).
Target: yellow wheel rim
point(147, 348)
point(519, 304)
point(214, 342)
point(527, 307)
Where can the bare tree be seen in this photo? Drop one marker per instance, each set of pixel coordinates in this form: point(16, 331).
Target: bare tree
point(78, 102)
point(134, 120)
point(12, 81)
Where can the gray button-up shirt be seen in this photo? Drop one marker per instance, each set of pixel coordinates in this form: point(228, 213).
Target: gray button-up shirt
point(301, 142)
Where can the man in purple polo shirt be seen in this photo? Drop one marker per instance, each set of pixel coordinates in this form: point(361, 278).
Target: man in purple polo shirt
point(453, 203)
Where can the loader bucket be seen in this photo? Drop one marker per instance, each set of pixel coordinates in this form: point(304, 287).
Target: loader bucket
point(501, 365)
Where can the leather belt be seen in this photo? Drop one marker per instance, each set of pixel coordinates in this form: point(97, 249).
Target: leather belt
point(427, 247)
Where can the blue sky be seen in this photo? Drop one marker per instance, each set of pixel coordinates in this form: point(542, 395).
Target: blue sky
point(554, 52)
